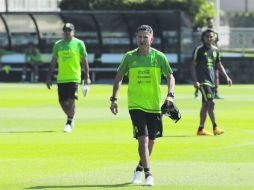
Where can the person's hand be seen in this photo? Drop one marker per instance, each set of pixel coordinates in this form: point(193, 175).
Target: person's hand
point(169, 100)
point(49, 82)
point(114, 107)
point(87, 81)
point(229, 81)
point(196, 84)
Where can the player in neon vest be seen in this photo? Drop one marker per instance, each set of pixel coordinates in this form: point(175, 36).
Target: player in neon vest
point(144, 67)
point(68, 53)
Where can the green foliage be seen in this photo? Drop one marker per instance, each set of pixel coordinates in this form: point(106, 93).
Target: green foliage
point(197, 10)
point(200, 10)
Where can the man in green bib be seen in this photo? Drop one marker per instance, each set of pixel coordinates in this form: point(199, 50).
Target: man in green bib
point(68, 53)
point(144, 67)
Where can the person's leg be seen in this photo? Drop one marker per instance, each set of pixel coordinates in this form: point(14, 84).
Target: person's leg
point(210, 108)
point(145, 147)
point(143, 150)
point(202, 115)
point(140, 166)
point(150, 146)
point(68, 107)
point(203, 110)
point(67, 95)
point(216, 129)
point(31, 65)
point(24, 72)
point(141, 134)
point(150, 149)
point(36, 72)
point(206, 96)
point(155, 129)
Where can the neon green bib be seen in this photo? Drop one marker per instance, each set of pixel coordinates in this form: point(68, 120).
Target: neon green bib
point(144, 72)
point(69, 56)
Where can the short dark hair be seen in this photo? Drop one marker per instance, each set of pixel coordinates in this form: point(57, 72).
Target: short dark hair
point(209, 18)
point(205, 32)
point(145, 28)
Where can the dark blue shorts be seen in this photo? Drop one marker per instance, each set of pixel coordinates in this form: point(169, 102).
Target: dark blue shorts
point(148, 124)
point(67, 91)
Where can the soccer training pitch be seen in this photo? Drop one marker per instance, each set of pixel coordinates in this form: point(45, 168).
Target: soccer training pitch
point(100, 153)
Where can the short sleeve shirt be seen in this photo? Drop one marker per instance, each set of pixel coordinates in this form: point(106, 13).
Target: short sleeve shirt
point(69, 55)
point(207, 60)
point(35, 55)
point(144, 73)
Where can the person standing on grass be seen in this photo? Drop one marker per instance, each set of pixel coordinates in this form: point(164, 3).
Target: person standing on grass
point(68, 53)
point(205, 60)
point(210, 25)
point(144, 67)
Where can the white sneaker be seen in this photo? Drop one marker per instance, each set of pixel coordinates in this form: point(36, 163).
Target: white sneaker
point(149, 181)
point(67, 128)
point(137, 178)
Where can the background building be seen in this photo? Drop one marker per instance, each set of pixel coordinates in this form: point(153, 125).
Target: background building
point(29, 5)
point(237, 5)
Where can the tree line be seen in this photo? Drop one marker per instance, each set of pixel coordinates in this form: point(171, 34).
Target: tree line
point(197, 10)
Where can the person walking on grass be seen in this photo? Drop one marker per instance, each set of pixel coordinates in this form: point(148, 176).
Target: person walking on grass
point(68, 53)
point(144, 67)
point(205, 60)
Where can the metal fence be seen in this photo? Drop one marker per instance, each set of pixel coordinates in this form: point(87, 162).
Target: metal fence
point(236, 39)
point(232, 41)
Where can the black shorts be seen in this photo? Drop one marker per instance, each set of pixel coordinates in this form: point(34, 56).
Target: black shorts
point(148, 124)
point(67, 91)
point(207, 92)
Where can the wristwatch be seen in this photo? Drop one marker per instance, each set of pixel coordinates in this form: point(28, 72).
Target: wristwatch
point(171, 94)
point(112, 99)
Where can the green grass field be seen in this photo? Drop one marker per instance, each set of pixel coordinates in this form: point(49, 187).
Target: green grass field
point(101, 154)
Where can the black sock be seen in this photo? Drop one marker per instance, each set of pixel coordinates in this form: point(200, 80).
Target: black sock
point(147, 172)
point(139, 167)
point(214, 126)
point(69, 120)
point(201, 127)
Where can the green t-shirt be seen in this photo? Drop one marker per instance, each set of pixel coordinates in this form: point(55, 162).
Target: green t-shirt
point(69, 55)
point(35, 56)
point(144, 73)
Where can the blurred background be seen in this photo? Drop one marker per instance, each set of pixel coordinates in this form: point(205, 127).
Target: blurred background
point(107, 28)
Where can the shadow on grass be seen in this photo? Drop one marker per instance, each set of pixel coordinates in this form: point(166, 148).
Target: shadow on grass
point(80, 186)
point(28, 131)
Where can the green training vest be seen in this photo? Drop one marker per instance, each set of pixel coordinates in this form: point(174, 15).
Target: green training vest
point(144, 73)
